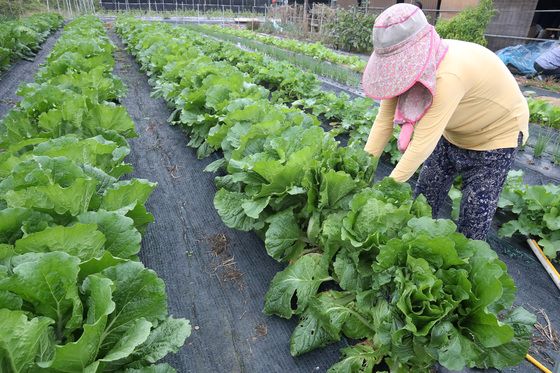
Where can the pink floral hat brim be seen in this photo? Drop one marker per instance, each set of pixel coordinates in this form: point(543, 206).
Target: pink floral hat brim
point(394, 70)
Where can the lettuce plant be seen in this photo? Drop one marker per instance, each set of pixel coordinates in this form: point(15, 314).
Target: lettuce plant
point(23, 38)
point(537, 210)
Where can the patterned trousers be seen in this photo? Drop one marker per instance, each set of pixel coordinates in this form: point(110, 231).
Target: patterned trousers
point(484, 174)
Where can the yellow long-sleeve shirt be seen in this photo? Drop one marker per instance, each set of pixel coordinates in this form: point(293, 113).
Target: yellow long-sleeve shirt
point(477, 105)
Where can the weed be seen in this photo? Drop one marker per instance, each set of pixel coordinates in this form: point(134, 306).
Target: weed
point(556, 154)
point(540, 146)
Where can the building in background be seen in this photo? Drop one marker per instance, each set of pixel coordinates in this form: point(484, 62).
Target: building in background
point(519, 21)
point(516, 21)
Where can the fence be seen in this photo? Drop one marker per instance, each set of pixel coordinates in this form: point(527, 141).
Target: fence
point(511, 25)
point(231, 6)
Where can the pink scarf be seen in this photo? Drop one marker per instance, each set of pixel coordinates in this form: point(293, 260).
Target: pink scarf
point(413, 104)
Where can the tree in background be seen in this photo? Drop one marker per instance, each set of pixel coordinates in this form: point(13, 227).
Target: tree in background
point(16, 8)
point(350, 30)
point(469, 25)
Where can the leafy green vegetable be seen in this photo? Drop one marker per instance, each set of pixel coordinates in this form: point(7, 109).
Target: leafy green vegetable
point(538, 212)
point(81, 240)
point(301, 279)
point(48, 282)
point(283, 236)
point(360, 358)
point(21, 339)
point(543, 112)
point(325, 319)
point(23, 38)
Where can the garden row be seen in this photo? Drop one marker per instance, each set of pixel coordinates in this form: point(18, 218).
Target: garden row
point(305, 55)
point(410, 288)
point(535, 207)
point(338, 73)
point(315, 50)
point(343, 114)
point(73, 295)
point(23, 38)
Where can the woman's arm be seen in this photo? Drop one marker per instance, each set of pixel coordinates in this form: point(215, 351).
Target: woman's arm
point(382, 128)
point(428, 131)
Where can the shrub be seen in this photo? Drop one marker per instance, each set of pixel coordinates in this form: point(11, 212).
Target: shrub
point(350, 30)
point(468, 25)
point(253, 25)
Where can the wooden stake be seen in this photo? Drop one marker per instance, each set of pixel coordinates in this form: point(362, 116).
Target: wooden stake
point(550, 269)
point(534, 361)
point(305, 5)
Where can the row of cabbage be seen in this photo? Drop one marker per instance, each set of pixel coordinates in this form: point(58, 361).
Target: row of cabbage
point(73, 295)
point(23, 38)
point(343, 114)
point(410, 289)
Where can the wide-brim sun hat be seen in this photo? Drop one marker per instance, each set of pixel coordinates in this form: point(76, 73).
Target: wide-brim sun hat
point(403, 41)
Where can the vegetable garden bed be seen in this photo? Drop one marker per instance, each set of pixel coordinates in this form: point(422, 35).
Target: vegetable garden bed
point(215, 276)
point(540, 156)
point(73, 295)
point(23, 38)
point(343, 69)
point(218, 277)
point(544, 284)
point(20, 72)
